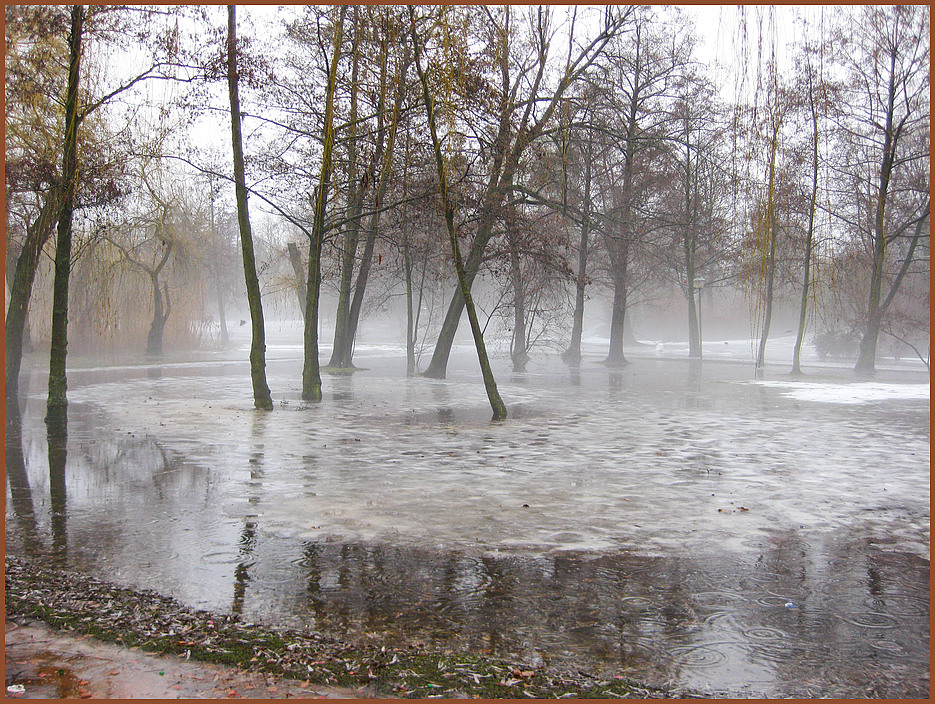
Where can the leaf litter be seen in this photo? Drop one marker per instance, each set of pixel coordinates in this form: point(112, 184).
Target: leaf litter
point(155, 623)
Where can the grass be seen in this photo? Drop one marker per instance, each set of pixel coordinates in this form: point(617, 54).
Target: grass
point(159, 624)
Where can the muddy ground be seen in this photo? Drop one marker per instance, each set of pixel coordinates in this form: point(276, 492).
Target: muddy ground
point(55, 665)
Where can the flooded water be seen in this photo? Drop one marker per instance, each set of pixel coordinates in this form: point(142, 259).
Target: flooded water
point(679, 524)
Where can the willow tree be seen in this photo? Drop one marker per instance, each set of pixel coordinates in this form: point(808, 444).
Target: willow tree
point(82, 179)
point(32, 187)
point(490, 384)
point(261, 394)
point(812, 97)
point(766, 233)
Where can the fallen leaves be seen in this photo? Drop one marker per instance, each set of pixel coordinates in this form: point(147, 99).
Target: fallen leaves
point(148, 621)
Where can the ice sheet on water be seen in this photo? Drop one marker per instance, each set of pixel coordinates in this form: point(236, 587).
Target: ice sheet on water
point(854, 392)
point(640, 459)
point(716, 490)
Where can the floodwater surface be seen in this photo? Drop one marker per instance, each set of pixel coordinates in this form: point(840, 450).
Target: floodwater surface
point(680, 524)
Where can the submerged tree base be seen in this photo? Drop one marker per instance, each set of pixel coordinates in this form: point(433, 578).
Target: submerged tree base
point(84, 605)
point(343, 370)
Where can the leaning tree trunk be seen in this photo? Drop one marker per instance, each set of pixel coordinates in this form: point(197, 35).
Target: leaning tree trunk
point(261, 394)
point(24, 276)
point(58, 384)
point(490, 384)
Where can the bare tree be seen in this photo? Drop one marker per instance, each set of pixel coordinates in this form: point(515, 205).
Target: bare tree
point(261, 394)
point(886, 51)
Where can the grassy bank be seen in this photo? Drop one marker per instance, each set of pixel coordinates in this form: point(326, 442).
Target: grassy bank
point(158, 624)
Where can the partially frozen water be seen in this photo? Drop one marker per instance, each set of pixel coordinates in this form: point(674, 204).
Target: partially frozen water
point(675, 523)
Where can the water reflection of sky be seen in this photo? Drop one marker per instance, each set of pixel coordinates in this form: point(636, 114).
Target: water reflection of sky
point(673, 524)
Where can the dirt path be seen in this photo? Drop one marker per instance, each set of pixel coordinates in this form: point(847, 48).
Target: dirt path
point(54, 665)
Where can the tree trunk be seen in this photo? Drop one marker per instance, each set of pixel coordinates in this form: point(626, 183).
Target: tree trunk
point(261, 394)
point(615, 357)
point(518, 353)
point(311, 370)
point(222, 316)
point(694, 332)
point(342, 346)
point(15, 329)
point(446, 336)
point(866, 359)
point(688, 250)
point(572, 355)
point(770, 263)
point(160, 317)
point(58, 384)
point(295, 258)
point(490, 385)
point(809, 236)
point(768, 312)
point(382, 158)
point(410, 316)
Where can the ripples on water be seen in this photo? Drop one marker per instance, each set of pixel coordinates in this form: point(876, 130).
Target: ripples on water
point(584, 534)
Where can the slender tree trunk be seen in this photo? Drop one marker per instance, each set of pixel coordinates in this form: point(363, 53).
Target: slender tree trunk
point(809, 236)
point(261, 394)
point(311, 370)
point(341, 348)
point(572, 355)
point(518, 354)
point(770, 264)
point(410, 316)
point(15, 328)
point(382, 158)
point(866, 358)
point(58, 384)
point(295, 258)
point(768, 312)
point(490, 384)
point(688, 251)
point(222, 315)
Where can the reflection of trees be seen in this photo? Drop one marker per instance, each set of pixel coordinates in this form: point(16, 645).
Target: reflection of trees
point(248, 534)
point(57, 433)
point(624, 612)
point(18, 479)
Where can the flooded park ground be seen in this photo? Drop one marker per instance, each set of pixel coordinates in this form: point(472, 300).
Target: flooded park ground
point(684, 525)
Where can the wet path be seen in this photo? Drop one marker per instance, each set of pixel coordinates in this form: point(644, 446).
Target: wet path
point(678, 525)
